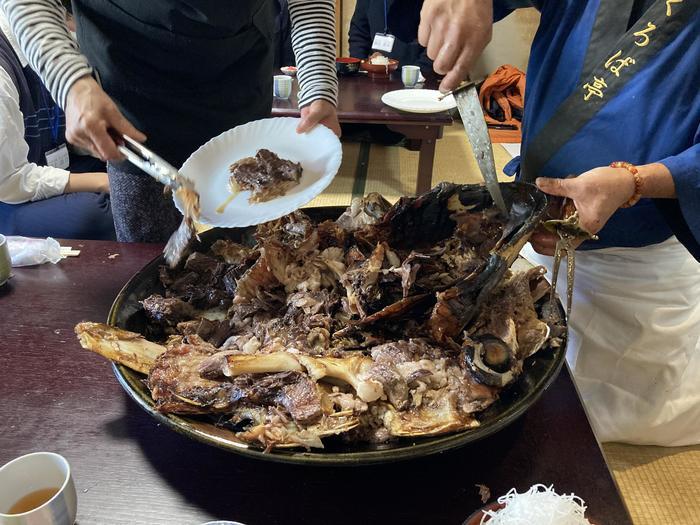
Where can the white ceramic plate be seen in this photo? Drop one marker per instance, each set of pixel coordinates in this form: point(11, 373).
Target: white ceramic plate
point(418, 100)
point(318, 151)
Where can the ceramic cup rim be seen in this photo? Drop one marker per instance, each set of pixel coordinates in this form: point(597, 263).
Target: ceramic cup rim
point(280, 77)
point(227, 522)
point(60, 491)
point(5, 260)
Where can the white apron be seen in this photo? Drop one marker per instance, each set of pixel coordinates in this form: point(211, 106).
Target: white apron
point(634, 341)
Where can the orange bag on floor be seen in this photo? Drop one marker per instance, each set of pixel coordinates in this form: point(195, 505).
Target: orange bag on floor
point(506, 88)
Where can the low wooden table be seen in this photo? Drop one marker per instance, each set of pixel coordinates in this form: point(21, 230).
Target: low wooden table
point(130, 470)
point(360, 102)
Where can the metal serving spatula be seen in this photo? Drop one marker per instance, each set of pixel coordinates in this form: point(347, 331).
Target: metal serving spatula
point(166, 174)
point(477, 131)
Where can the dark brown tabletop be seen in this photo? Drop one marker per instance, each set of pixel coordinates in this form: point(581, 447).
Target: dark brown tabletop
point(130, 470)
point(360, 102)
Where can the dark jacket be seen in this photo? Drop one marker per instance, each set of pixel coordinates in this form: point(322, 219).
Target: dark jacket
point(403, 17)
point(284, 55)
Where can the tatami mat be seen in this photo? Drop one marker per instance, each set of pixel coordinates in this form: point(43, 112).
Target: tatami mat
point(393, 170)
point(661, 486)
point(339, 193)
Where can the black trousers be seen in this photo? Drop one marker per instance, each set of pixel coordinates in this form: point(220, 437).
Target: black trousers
point(141, 210)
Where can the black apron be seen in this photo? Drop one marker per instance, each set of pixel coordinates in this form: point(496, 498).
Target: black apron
point(182, 72)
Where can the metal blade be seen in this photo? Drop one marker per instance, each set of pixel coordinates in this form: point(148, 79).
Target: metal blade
point(152, 164)
point(478, 133)
point(178, 244)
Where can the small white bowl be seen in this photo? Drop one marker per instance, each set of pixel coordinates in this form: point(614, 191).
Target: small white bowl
point(32, 472)
point(290, 71)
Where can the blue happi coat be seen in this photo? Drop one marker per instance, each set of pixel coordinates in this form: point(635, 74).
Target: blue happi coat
point(654, 118)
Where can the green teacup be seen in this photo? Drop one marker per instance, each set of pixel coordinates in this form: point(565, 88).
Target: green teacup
point(5, 261)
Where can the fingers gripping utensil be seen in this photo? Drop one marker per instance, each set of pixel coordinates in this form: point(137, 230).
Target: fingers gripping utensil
point(166, 174)
point(477, 131)
point(569, 230)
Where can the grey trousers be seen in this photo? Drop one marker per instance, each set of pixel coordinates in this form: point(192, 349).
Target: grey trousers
point(141, 211)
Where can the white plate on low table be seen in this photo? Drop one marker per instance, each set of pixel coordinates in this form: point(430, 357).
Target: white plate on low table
point(319, 152)
point(418, 100)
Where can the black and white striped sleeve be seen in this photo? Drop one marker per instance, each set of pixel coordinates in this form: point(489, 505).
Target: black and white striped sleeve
point(313, 40)
point(40, 28)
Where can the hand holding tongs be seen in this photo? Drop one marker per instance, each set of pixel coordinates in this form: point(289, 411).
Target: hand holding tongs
point(166, 174)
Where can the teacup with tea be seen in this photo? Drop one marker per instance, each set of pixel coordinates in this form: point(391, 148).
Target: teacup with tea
point(37, 488)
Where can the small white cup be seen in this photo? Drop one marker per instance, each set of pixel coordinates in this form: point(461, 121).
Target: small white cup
point(410, 76)
point(32, 472)
point(5, 261)
point(282, 86)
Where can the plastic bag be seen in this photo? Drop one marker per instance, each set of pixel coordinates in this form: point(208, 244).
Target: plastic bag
point(25, 251)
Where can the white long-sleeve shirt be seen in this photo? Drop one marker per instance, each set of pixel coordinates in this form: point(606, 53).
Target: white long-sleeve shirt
point(21, 180)
point(41, 30)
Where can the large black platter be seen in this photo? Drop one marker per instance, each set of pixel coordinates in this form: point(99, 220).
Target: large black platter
point(539, 372)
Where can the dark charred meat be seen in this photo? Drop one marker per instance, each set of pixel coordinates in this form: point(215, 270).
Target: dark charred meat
point(266, 175)
point(177, 387)
point(390, 322)
point(167, 310)
point(364, 212)
point(458, 305)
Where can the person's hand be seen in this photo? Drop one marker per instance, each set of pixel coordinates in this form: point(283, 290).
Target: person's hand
point(597, 194)
point(90, 115)
point(96, 182)
point(319, 112)
point(455, 32)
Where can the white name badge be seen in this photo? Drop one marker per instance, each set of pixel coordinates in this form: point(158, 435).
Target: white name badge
point(58, 157)
point(383, 42)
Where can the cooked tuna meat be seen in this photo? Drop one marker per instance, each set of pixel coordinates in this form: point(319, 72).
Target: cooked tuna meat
point(213, 332)
point(266, 175)
point(204, 264)
point(167, 311)
point(391, 322)
point(177, 387)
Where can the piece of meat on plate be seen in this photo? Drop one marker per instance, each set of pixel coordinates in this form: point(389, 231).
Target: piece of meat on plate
point(266, 175)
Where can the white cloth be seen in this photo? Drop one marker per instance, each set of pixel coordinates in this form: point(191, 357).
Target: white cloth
point(634, 341)
point(21, 180)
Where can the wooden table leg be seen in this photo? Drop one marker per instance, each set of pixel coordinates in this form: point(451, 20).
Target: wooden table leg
point(426, 136)
point(426, 158)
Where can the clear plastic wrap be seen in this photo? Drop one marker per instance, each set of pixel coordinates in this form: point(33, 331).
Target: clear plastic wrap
point(26, 251)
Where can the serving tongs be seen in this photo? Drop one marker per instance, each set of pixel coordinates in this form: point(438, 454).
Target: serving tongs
point(477, 131)
point(569, 230)
point(158, 168)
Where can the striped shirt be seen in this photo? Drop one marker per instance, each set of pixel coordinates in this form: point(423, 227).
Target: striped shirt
point(52, 52)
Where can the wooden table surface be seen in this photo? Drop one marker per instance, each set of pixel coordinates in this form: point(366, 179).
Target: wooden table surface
point(130, 470)
point(360, 102)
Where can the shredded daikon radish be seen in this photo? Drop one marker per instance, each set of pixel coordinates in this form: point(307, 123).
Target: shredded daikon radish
point(540, 505)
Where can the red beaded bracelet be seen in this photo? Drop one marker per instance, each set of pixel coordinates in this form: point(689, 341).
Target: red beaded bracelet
point(634, 199)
